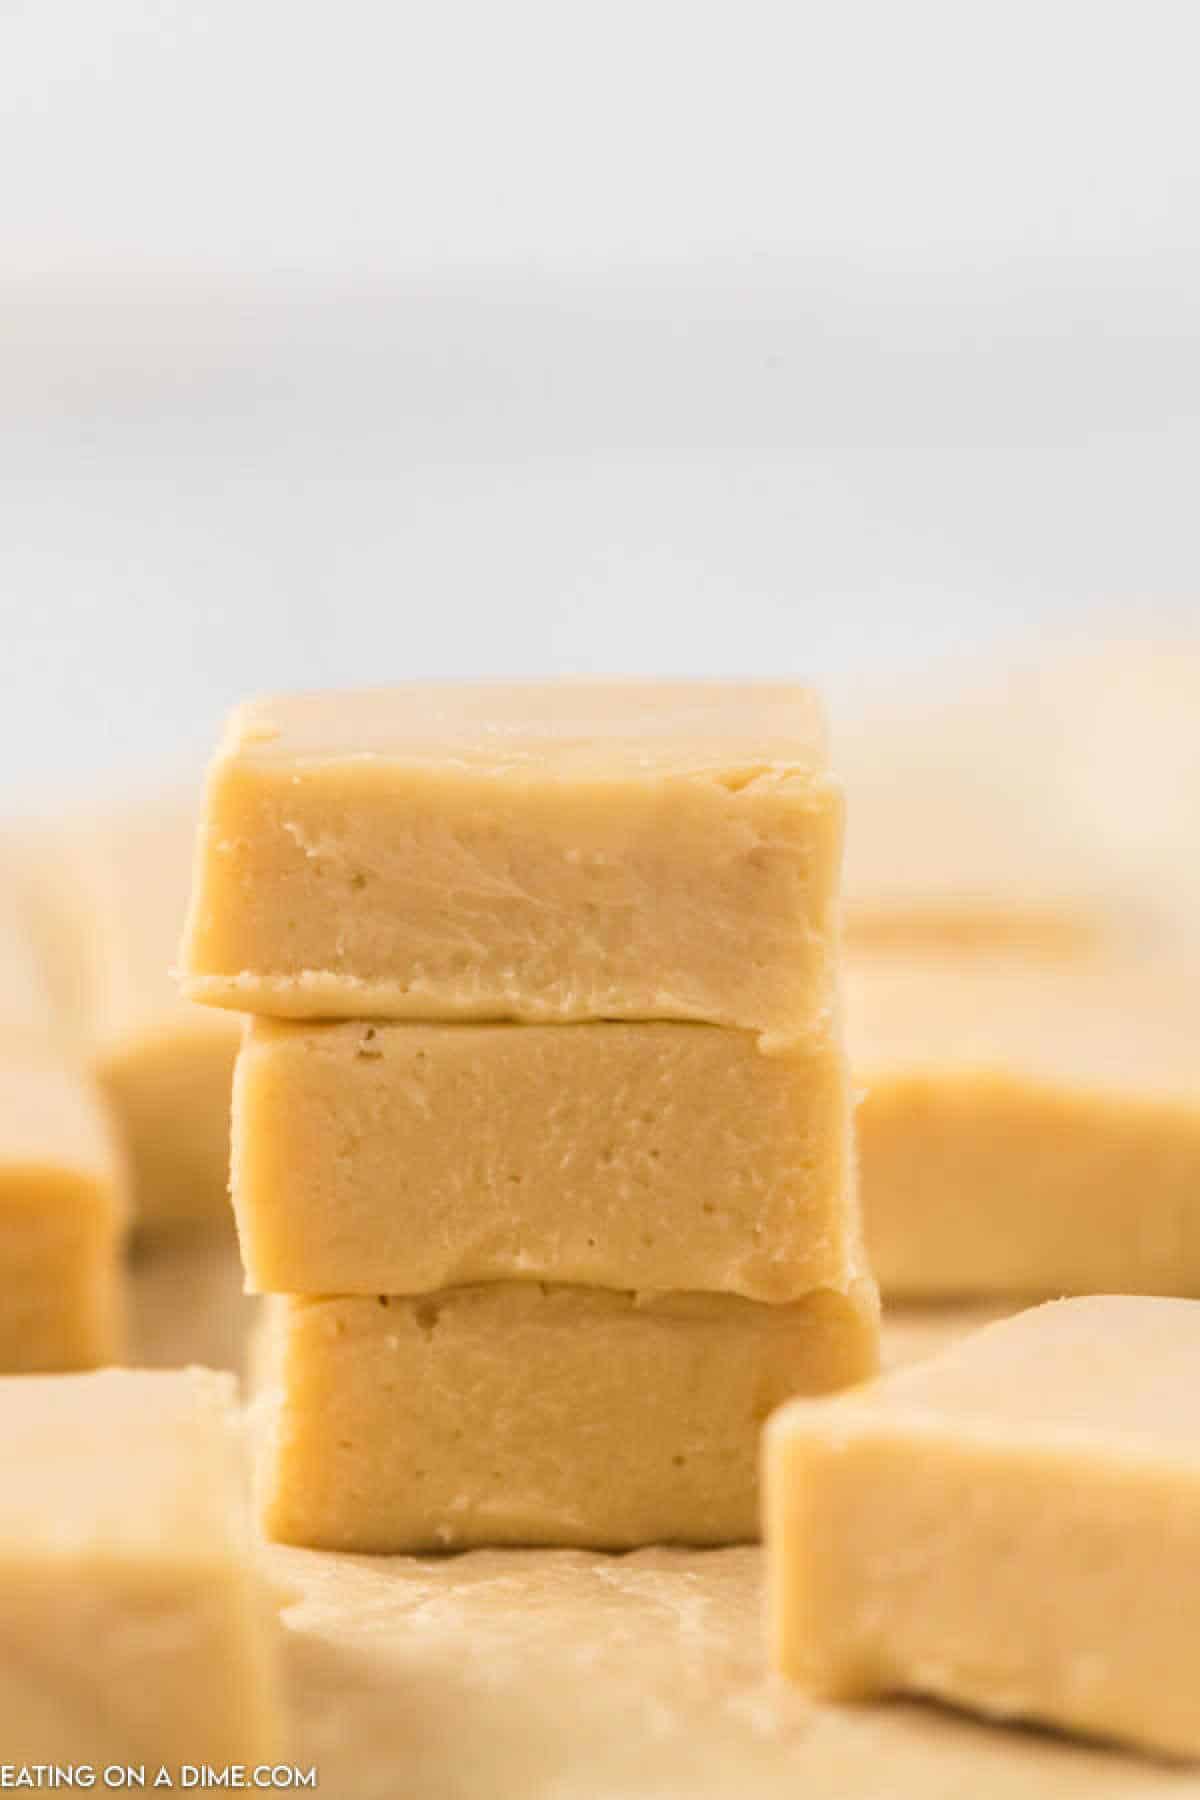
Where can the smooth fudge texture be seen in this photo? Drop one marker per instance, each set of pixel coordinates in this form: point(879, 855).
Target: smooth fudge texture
point(580, 1674)
point(63, 1214)
point(1013, 1526)
point(544, 851)
point(134, 1625)
point(517, 1413)
point(1029, 1126)
point(165, 1065)
point(404, 1157)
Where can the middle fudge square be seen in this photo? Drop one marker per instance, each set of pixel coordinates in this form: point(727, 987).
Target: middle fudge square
point(397, 1158)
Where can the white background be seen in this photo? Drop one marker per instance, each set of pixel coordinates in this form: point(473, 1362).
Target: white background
point(342, 343)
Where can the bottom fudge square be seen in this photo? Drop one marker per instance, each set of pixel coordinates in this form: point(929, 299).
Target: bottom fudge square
point(536, 1413)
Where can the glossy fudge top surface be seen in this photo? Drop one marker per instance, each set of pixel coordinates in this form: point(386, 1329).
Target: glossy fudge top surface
point(732, 732)
point(1117, 1371)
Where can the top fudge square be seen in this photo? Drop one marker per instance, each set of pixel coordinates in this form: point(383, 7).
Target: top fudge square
point(557, 850)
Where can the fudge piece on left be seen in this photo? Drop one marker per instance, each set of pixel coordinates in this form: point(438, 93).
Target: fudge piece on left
point(523, 1413)
point(134, 1624)
point(63, 1215)
point(546, 851)
point(1013, 1525)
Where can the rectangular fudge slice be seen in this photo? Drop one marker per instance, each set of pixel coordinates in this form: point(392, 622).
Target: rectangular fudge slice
point(133, 1624)
point(404, 1157)
point(542, 851)
point(1028, 1127)
point(518, 1413)
point(63, 1214)
point(1013, 1525)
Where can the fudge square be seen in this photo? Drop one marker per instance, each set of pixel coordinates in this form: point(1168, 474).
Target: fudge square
point(527, 1413)
point(1013, 1525)
point(541, 851)
point(134, 1626)
point(1030, 1125)
point(63, 1216)
point(397, 1158)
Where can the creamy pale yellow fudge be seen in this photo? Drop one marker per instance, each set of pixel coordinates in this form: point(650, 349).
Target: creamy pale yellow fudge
point(1028, 1126)
point(520, 1413)
point(110, 896)
point(63, 1213)
point(134, 1625)
point(545, 851)
point(1013, 1526)
point(390, 1157)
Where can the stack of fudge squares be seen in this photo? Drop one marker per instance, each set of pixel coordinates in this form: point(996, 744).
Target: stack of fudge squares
point(542, 1118)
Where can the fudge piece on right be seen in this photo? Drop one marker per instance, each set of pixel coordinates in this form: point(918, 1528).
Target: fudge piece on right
point(527, 1413)
point(1013, 1525)
point(545, 851)
point(135, 1626)
point(1030, 1126)
point(397, 1158)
